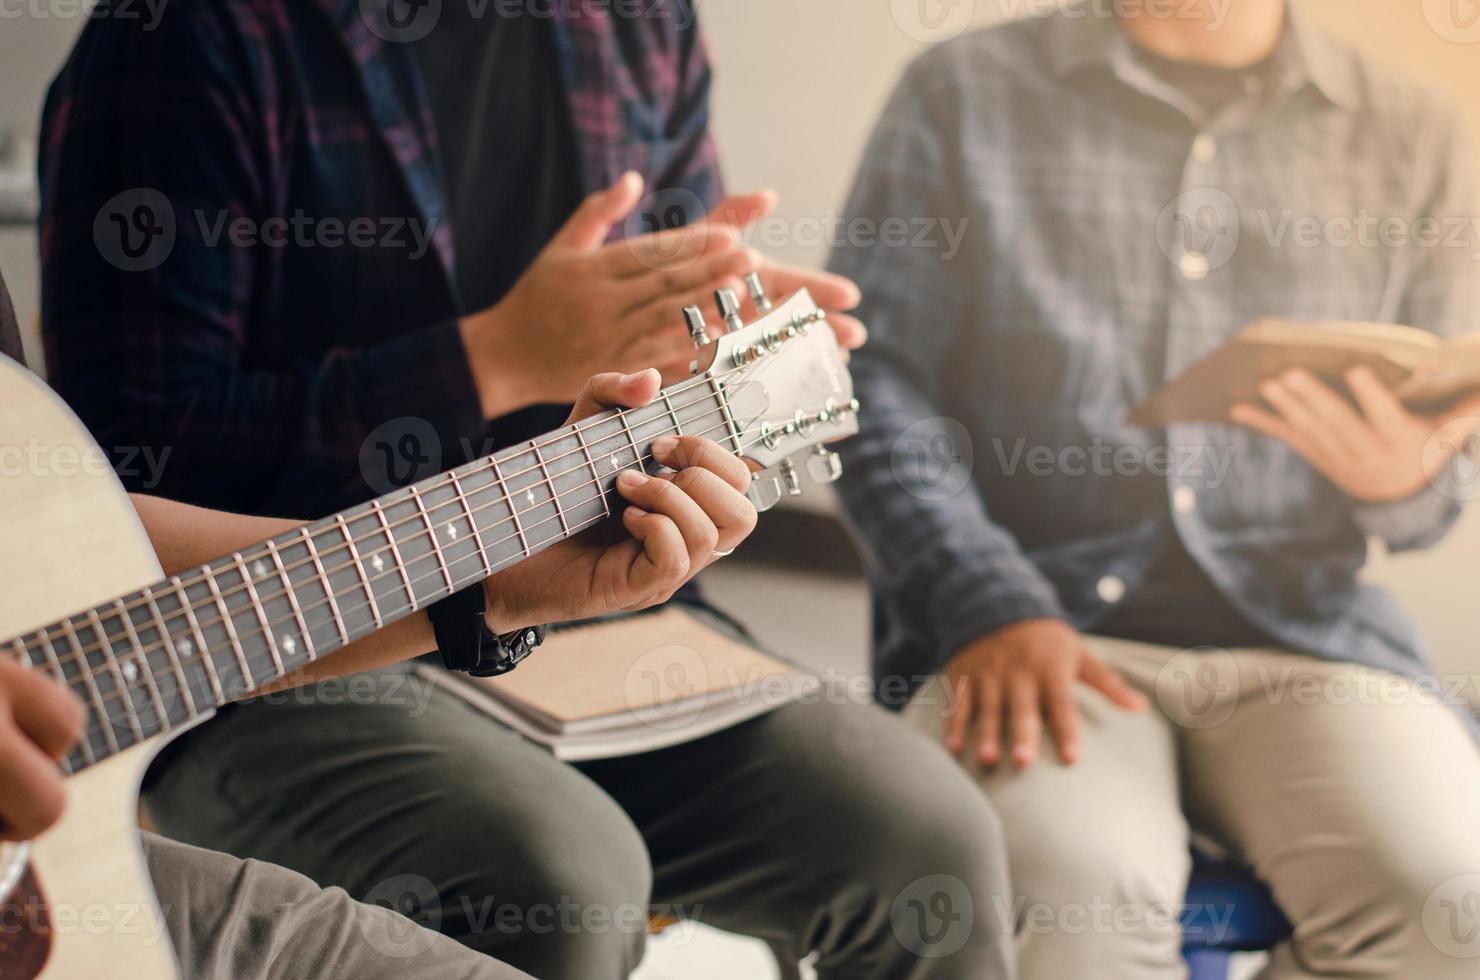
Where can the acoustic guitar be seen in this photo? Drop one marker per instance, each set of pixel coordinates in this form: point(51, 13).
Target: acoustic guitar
point(84, 600)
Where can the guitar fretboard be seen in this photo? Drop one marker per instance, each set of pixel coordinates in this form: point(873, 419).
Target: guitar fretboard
point(153, 661)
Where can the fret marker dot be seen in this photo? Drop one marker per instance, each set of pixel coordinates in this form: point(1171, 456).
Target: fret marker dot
point(377, 563)
point(288, 644)
point(529, 496)
point(130, 671)
point(451, 532)
point(615, 465)
point(184, 648)
point(260, 569)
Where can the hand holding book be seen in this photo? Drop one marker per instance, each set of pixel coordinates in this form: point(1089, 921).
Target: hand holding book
point(1371, 445)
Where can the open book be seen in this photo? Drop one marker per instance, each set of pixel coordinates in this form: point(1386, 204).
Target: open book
point(1427, 372)
point(630, 685)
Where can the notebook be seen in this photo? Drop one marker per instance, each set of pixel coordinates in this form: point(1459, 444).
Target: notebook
point(632, 685)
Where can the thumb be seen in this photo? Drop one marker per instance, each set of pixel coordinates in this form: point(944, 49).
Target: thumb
point(614, 390)
point(589, 227)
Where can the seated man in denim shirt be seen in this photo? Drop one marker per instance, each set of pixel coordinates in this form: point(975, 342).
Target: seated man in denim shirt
point(1181, 609)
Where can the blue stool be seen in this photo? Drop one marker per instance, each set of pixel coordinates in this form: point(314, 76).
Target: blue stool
point(1228, 911)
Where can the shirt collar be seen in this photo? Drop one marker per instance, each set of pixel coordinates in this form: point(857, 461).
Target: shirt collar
point(1083, 38)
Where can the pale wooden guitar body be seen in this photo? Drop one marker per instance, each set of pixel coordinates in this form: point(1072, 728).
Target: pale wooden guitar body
point(72, 540)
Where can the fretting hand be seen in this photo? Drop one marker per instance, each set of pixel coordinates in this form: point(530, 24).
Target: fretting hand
point(673, 527)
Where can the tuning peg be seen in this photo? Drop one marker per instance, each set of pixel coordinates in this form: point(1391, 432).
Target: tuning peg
point(698, 329)
point(791, 479)
point(764, 492)
point(729, 309)
point(824, 466)
point(758, 293)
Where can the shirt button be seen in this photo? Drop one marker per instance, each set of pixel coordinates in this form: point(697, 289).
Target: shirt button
point(1205, 148)
point(1184, 499)
point(1194, 266)
point(1111, 589)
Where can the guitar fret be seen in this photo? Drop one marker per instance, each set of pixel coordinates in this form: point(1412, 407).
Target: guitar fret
point(313, 554)
point(513, 507)
point(137, 657)
point(229, 625)
point(631, 441)
point(354, 554)
point(462, 498)
point(111, 664)
point(426, 519)
point(94, 692)
point(395, 553)
point(729, 421)
point(272, 649)
point(595, 473)
point(90, 756)
point(169, 646)
point(668, 403)
point(554, 494)
point(202, 649)
point(292, 596)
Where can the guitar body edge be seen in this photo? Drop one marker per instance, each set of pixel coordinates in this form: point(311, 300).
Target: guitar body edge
point(73, 541)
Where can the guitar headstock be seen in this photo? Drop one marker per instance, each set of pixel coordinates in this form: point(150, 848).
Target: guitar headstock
point(785, 386)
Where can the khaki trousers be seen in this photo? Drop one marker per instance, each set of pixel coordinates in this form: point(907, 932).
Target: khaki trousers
point(1355, 794)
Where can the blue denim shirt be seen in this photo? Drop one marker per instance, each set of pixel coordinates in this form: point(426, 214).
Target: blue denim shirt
point(997, 478)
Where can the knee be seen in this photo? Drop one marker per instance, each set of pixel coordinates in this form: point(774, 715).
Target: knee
point(1408, 917)
point(571, 901)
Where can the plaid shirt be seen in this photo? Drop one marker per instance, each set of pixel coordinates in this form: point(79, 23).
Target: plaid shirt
point(266, 368)
point(997, 479)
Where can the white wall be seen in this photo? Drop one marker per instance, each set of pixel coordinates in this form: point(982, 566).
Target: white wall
point(799, 84)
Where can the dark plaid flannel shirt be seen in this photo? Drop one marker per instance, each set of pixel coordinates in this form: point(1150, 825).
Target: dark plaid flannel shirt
point(264, 369)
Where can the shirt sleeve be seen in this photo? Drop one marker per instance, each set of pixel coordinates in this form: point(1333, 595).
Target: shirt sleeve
point(142, 131)
point(1443, 296)
point(931, 542)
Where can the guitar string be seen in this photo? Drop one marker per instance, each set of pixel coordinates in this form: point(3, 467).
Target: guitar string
point(116, 695)
point(173, 691)
point(198, 576)
point(77, 655)
point(446, 480)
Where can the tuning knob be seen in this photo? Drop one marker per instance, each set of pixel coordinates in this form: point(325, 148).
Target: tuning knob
point(729, 309)
point(791, 479)
point(698, 329)
point(758, 293)
point(764, 492)
point(824, 466)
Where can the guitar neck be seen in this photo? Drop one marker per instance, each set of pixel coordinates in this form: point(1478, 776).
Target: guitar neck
point(158, 659)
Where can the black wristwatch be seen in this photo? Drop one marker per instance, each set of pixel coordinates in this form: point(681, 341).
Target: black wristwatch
point(468, 645)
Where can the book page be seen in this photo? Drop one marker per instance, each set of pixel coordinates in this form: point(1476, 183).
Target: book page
point(634, 668)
